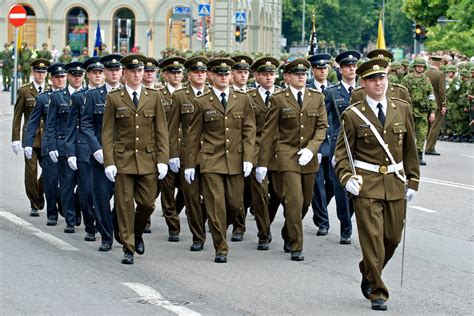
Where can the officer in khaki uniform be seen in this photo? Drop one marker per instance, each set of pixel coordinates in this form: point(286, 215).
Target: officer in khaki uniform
point(23, 108)
point(393, 89)
point(378, 183)
point(149, 78)
point(182, 111)
point(224, 122)
point(298, 116)
point(172, 70)
point(264, 70)
point(135, 145)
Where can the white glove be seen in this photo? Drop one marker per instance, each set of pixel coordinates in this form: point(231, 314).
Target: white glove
point(333, 161)
point(260, 173)
point(99, 156)
point(72, 162)
point(54, 155)
point(162, 170)
point(354, 185)
point(305, 156)
point(320, 157)
point(410, 195)
point(247, 168)
point(174, 163)
point(111, 172)
point(28, 152)
point(16, 146)
point(189, 174)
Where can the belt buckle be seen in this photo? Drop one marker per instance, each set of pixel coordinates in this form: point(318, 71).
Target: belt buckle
point(383, 169)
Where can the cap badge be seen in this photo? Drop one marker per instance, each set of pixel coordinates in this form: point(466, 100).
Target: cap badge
point(350, 56)
point(97, 63)
point(376, 67)
point(243, 61)
point(114, 60)
point(60, 68)
point(300, 66)
point(78, 68)
point(149, 64)
point(199, 63)
point(223, 65)
point(380, 56)
point(176, 63)
point(41, 65)
point(268, 63)
point(135, 61)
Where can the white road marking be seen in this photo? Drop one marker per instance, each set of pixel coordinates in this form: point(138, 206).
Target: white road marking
point(151, 296)
point(58, 243)
point(468, 156)
point(427, 210)
point(449, 184)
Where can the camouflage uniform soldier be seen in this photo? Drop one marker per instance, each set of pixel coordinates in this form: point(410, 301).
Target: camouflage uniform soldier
point(423, 105)
point(66, 56)
point(460, 112)
point(45, 53)
point(396, 75)
point(405, 65)
point(25, 60)
point(6, 63)
point(452, 93)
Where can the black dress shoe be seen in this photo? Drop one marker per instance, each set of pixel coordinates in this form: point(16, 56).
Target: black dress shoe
point(432, 153)
point(105, 247)
point(237, 237)
point(196, 246)
point(379, 305)
point(262, 245)
point(345, 241)
point(365, 287)
point(220, 258)
point(270, 237)
point(287, 246)
point(89, 237)
point(69, 229)
point(78, 220)
point(322, 231)
point(297, 256)
point(139, 245)
point(51, 222)
point(127, 257)
point(173, 238)
point(34, 212)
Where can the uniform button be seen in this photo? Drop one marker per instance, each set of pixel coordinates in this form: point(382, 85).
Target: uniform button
point(136, 150)
point(226, 128)
point(301, 137)
point(137, 126)
point(301, 114)
point(302, 126)
point(226, 117)
point(137, 138)
point(227, 140)
point(136, 114)
point(227, 151)
point(386, 159)
point(384, 131)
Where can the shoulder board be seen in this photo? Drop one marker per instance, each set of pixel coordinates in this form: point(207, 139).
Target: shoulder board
point(238, 91)
point(313, 90)
point(351, 106)
point(151, 89)
point(181, 89)
point(279, 92)
point(251, 90)
point(114, 90)
point(359, 88)
point(399, 85)
point(26, 85)
point(161, 88)
point(204, 94)
point(398, 99)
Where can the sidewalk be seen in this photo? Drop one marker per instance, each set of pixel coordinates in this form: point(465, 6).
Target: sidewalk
point(5, 107)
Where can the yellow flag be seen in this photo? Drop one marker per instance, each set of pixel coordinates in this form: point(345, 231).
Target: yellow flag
point(380, 36)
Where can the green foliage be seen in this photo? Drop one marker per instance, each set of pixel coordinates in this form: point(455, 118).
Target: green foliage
point(398, 27)
point(425, 12)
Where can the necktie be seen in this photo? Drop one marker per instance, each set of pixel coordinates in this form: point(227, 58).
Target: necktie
point(381, 115)
point(223, 101)
point(135, 99)
point(40, 88)
point(199, 93)
point(267, 98)
point(300, 99)
point(322, 88)
point(350, 90)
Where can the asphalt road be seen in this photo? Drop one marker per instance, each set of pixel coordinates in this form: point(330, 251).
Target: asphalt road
point(44, 271)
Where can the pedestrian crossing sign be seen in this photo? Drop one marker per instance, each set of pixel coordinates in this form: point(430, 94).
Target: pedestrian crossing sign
point(240, 18)
point(204, 9)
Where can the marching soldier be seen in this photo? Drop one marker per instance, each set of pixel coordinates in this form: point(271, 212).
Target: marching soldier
point(395, 75)
point(45, 53)
point(102, 188)
point(66, 56)
point(298, 116)
point(438, 81)
point(380, 135)
point(77, 149)
point(173, 73)
point(135, 146)
point(7, 64)
point(39, 115)
point(23, 108)
point(25, 63)
point(149, 78)
point(222, 129)
point(56, 132)
point(423, 105)
point(182, 111)
point(460, 113)
point(240, 76)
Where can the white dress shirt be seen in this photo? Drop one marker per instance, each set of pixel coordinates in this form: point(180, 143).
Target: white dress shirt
point(373, 105)
point(347, 86)
point(130, 91)
point(263, 94)
point(218, 93)
point(295, 93)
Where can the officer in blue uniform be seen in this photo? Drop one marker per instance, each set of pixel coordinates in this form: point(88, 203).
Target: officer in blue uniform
point(337, 99)
point(50, 169)
point(91, 125)
point(78, 152)
point(56, 132)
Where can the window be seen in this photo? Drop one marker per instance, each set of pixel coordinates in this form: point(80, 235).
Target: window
point(124, 30)
point(77, 30)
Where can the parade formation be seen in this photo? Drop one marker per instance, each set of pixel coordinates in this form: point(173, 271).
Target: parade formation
point(119, 136)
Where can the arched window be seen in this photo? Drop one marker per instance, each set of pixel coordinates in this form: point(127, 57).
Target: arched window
point(77, 30)
point(124, 30)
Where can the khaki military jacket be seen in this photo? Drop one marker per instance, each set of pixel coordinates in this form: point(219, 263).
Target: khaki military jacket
point(296, 127)
point(24, 105)
point(394, 90)
point(228, 135)
point(398, 133)
point(260, 110)
point(166, 101)
point(182, 111)
point(134, 139)
point(438, 81)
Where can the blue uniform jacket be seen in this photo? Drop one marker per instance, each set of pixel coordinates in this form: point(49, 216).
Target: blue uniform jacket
point(40, 112)
point(76, 143)
point(56, 123)
point(324, 149)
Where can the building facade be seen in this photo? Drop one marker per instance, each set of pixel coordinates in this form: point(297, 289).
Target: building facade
point(153, 25)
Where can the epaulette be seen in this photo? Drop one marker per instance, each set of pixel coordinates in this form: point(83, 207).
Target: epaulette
point(279, 92)
point(161, 88)
point(398, 99)
point(114, 90)
point(25, 85)
point(251, 90)
point(151, 88)
point(359, 88)
point(238, 91)
point(204, 94)
point(350, 107)
point(314, 90)
point(400, 86)
point(181, 89)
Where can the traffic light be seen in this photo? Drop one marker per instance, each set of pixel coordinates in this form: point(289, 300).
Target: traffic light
point(420, 33)
point(195, 26)
point(243, 36)
point(186, 27)
point(238, 33)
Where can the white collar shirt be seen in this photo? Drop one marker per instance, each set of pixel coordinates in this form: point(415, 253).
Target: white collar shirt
point(295, 93)
point(373, 105)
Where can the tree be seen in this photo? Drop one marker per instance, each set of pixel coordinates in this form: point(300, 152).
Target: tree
point(425, 12)
point(398, 27)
